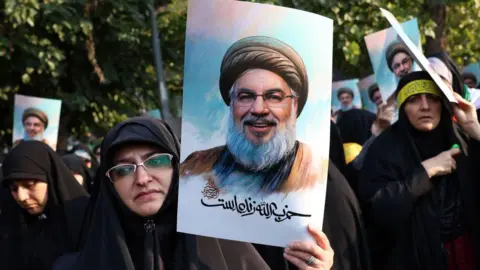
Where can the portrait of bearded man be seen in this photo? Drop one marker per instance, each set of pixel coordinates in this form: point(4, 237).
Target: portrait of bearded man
point(264, 82)
point(35, 122)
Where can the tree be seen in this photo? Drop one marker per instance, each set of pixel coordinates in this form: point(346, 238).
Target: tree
point(94, 55)
point(456, 20)
point(97, 55)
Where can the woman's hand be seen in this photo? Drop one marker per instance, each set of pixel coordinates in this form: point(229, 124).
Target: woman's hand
point(384, 118)
point(310, 255)
point(466, 115)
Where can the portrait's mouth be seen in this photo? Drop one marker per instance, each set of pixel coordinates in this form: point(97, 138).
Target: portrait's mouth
point(260, 126)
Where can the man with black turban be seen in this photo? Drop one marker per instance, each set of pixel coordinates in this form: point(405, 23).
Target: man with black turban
point(399, 60)
point(34, 122)
point(345, 95)
point(264, 81)
point(374, 94)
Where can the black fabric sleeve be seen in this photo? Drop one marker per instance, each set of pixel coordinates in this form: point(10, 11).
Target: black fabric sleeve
point(388, 197)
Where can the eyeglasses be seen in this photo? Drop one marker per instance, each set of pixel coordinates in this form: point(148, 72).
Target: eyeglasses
point(405, 61)
point(271, 98)
point(156, 162)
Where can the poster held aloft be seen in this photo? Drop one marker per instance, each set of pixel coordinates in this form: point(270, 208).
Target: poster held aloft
point(370, 93)
point(36, 119)
point(390, 58)
point(254, 168)
point(345, 95)
point(420, 59)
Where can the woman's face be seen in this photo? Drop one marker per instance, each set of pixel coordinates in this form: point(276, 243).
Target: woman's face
point(145, 188)
point(423, 111)
point(31, 195)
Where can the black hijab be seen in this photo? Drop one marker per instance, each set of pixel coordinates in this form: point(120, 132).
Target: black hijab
point(116, 238)
point(77, 165)
point(337, 153)
point(355, 125)
point(34, 242)
point(409, 216)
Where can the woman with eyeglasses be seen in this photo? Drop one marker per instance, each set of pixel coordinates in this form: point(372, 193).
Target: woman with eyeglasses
point(133, 214)
point(41, 208)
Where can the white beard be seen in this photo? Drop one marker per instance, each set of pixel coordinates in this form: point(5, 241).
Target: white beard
point(257, 157)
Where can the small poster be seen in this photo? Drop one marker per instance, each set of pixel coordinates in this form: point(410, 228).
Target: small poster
point(253, 166)
point(370, 93)
point(345, 95)
point(473, 69)
point(155, 114)
point(36, 119)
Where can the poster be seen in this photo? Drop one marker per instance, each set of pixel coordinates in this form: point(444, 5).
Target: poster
point(390, 57)
point(254, 169)
point(345, 95)
point(370, 93)
point(415, 51)
point(155, 114)
point(36, 119)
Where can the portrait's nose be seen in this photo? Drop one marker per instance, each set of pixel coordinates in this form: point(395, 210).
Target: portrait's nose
point(259, 106)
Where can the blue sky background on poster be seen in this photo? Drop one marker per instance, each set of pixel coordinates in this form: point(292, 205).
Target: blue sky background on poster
point(475, 69)
point(155, 113)
point(206, 121)
point(352, 84)
point(377, 43)
point(51, 107)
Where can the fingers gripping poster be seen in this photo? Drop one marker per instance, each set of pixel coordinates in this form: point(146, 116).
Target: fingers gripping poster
point(256, 120)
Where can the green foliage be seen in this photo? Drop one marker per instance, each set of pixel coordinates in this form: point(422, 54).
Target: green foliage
point(94, 55)
point(355, 19)
point(97, 55)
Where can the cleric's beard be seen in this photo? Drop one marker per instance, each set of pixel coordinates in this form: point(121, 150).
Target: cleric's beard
point(257, 157)
point(38, 137)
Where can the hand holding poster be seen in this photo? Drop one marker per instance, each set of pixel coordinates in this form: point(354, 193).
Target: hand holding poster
point(255, 150)
point(418, 56)
point(36, 119)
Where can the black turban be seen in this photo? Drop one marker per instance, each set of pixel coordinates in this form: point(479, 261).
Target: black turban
point(35, 113)
point(394, 48)
point(345, 90)
point(372, 89)
point(261, 52)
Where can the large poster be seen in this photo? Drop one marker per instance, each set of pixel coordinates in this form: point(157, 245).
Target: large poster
point(414, 50)
point(36, 119)
point(390, 57)
point(256, 120)
point(345, 95)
